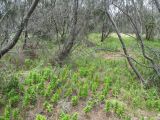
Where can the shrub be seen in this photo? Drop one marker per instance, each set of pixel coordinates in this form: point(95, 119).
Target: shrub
point(48, 106)
point(83, 92)
point(40, 117)
point(55, 98)
point(116, 106)
point(74, 100)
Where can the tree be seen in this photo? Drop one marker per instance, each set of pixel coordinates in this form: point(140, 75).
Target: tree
point(73, 33)
point(124, 47)
point(157, 4)
point(13, 42)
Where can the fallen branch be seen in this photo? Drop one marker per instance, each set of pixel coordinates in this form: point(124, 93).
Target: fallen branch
point(124, 48)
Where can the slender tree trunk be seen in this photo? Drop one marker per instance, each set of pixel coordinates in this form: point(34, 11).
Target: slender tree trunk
point(68, 46)
point(124, 48)
point(103, 32)
point(25, 36)
point(20, 29)
point(139, 18)
point(139, 37)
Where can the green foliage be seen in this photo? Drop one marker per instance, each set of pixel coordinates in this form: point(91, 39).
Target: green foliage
point(12, 84)
point(94, 86)
point(74, 100)
point(30, 96)
point(68, 92)
point(46, 73)
point(48, 106)
point(55, 98)
point(13, 97)
point(74, 116)
point(33, 78)
point(89, 106)
point(28, 63)
point(64, 116)
point(116, 106)
point(16, 113)
point(90, 81)
point(83, 71)
point(87, 109)
point(83, 91)
point(7, 113)
point(40, 117)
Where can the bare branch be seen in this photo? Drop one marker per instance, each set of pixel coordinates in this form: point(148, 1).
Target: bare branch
point(21, 27)
point(124, 48)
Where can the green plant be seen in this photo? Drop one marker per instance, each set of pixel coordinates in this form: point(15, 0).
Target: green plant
point(13, 97)
point(48, 106)
point(68, 92)
point(33, 78)
point(101, 97)
point(116, 106)
point(108, 106)
point(64, 73)
point(87, 109)
point(46, 73)
point(64, 116)
point(75, 78)
point(41, 88)
point(94, 86)
point(12, 84)
point(28, 63)
point(30, 96)
point(16, 113)
point(48, 91)
point(83, 71)
point(40, 117)
point(119, 109)
point(7, 113)
point(83, 92)
point(74, 116)
point(26, 99)
point(55, 98)
point(74, 100)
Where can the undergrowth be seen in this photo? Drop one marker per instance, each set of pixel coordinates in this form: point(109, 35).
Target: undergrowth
point(96, 82)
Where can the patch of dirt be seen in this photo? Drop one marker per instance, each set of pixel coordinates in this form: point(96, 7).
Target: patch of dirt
point(98, 113)
point(1, 111)
point(117, 55)
point(112, 56)
point(38, 109)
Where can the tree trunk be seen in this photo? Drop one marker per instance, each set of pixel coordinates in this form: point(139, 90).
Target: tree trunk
point(18, 33)
point(25, 37)
point(157, 4)
point(124, 48)
point(139, 37)
point(68, 46)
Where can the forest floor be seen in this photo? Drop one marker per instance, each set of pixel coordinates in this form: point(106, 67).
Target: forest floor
point(95, 84)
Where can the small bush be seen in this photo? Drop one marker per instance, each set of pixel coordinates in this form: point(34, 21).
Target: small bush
point(40, 117)
point(74, 100)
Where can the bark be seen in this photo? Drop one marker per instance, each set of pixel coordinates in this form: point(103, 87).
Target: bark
point(124, 48)
point(104, 34)
point(157, 4)
point(155, 67)
point(4, 16)
point(149, 32)
point(25, 36)
point(6, 36)
point(15, 39)
point(139, 17)
point(68, 46)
